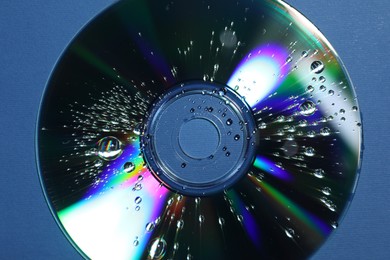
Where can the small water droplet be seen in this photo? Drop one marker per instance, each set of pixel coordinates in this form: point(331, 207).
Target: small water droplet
point(138, 200)
point(192, 110)
point(317, 67)
point(229, 121)
point(305, 54)
point(319, 173)
point(137, 129)
point(322, 88)
point(307, 108)
point(326, 191)
point(201, 218)
point(180, 224)
point(157, 248)
point(183, 165)
point(354, 108)
point(109, 148)
point(224, 148)
point(128, 167)
point(237, 137)
point(322, 79)
point(310, 88)
point(137, 208)
point(342, 111)
point(289, 59)
point(309, 151)
point(227, 154)
point(325, 131)
point(149, 227)
point(135, 242)
point(331, 92)
point(289, 232)
point(221, 221)
point(334, 224)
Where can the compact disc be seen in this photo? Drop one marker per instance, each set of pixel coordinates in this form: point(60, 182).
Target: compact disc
point(199, 130)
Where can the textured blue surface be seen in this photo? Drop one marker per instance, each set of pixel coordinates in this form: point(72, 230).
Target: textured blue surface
point(33, 35)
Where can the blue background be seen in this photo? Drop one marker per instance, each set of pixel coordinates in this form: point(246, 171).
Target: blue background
point(33, 33)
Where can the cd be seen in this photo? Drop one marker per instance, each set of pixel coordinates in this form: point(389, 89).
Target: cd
point(199, 130)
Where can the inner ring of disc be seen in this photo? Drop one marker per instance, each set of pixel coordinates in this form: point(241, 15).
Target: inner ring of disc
point(199, 138)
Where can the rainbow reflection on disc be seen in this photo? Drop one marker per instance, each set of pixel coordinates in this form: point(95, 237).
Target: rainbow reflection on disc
point(265, 85)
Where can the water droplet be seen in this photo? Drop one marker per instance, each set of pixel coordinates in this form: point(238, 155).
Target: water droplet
point(137, 186)
point(307, 108)
point(136, 242)
point(342, 111)
point(319, 173)
point(137, 129)
point(229, 121)
point(325, 131)
point(138, 200)
point(183, 165)
point(309, 151)
point(137, 208)
point(310, 88)
point(322, 88)
point(311, 134)
point(326, 191)
point(334, 224)
point(180, 224)
point(331, 92)
point(289, 59)
point(128, 167)
point(109, 148)
point(221, 221)
point(317, 67)
point(290, 232)
point(237, 137)
point(201, 218)
point(98, 163)
point(149, 227)
point(227, 154)
point(305, 54)
point(157, 249)
point(322, 79)
point(224, 148)
point(192, 110)
point(354, 108)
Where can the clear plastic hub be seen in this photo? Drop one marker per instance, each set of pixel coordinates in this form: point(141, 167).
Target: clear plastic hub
point(199, 138)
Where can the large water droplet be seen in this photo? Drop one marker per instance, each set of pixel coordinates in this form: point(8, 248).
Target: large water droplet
point(307, 108)
point(157, 249)
point(317, 67)
point(128, 167)
point(109, 148)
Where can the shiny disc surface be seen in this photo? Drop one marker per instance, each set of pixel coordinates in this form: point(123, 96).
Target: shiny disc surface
point(305, 147)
